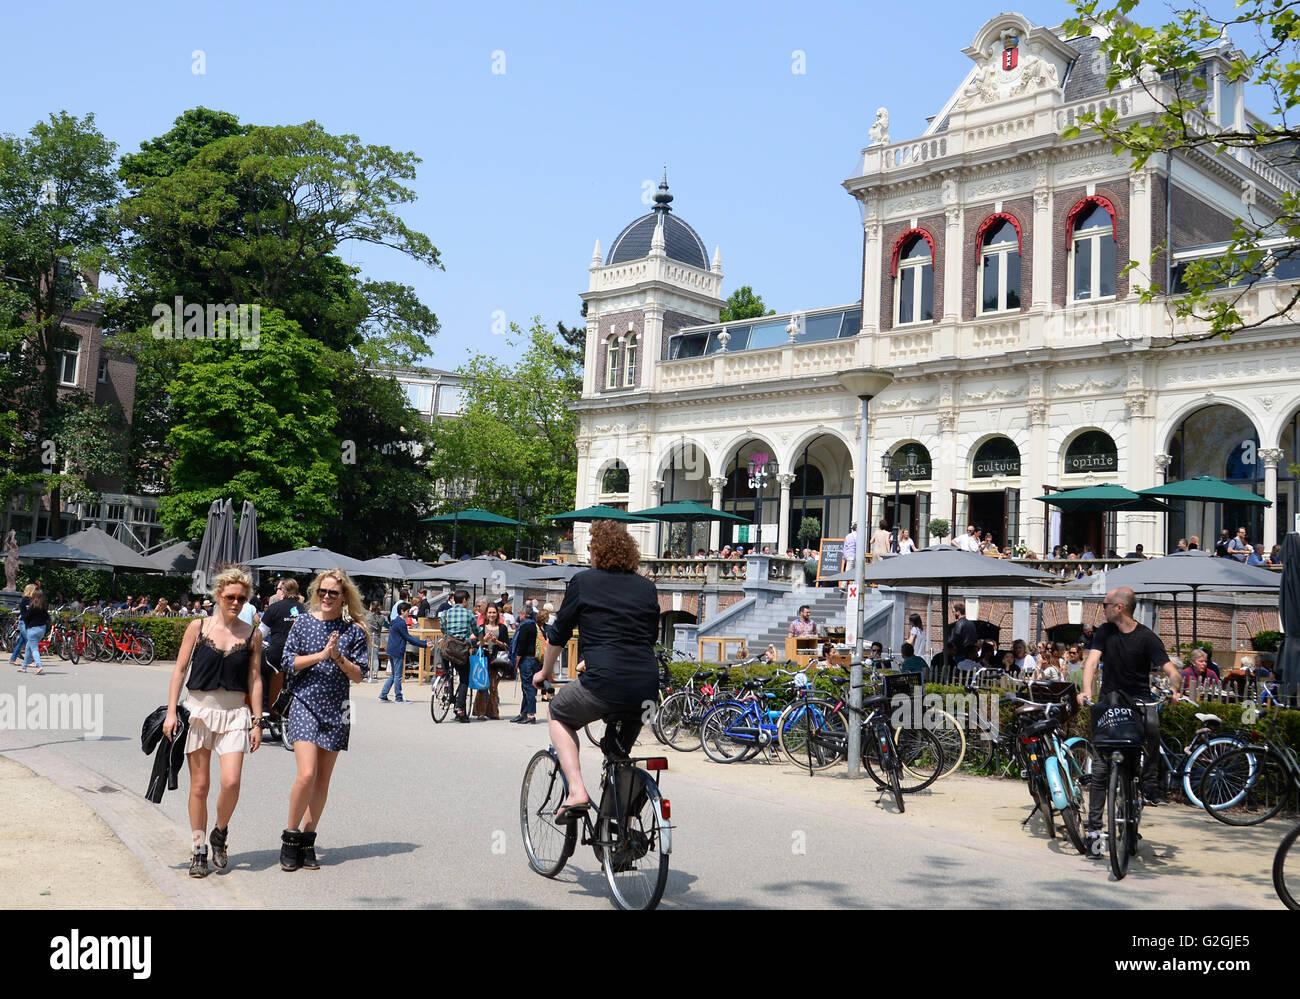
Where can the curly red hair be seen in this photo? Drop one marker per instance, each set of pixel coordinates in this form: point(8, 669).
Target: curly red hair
point(612, 548)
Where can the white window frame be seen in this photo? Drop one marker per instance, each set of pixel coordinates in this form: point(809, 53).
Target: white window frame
point(1093, 235)
point(612, 361)
point(64, 354)
point(918, 264)
point(629, 360)
point(998, 250)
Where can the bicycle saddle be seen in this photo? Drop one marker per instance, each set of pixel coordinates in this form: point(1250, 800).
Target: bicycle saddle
point(1208, 719)
point(875, 701)
point(1042, 727)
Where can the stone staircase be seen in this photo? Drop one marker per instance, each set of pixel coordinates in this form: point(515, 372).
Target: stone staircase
point(770, 624)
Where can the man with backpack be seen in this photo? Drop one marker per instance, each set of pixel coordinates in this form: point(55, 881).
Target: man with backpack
point(523, 653)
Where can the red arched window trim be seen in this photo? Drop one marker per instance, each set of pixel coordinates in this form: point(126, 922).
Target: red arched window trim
point(903, 241)
point(992, 220)
point(1077, 210)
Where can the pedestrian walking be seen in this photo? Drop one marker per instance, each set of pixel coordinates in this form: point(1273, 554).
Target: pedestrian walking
point(526, 664)
point(326, 650)
point(28, 592)
point(223, 658)
point(398, 638)
point(33, 629)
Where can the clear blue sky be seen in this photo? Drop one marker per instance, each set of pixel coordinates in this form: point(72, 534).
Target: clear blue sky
point(523, 170)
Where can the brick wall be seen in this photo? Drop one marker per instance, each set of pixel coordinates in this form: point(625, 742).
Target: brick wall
point(619, 321)
point(935, 225)
point(1159, 230)
point(1116, 192)
point(1195, 222)
point(1023, 210)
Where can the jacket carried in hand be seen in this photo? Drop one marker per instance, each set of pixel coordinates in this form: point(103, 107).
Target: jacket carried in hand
point(170, 756)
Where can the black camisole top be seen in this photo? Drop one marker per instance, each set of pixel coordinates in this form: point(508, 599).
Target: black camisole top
point(210, 668)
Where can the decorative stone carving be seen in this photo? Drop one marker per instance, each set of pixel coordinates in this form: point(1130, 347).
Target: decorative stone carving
point(1035, 74)
point(947, 422)
point(909, 401)
point(786, 479)
point(1270, 456)
point(1037, 409)
point(1163, 461)
point(1089, 384)
point(982, 89)
point(1042, 199)
point(954, 217)
point(717, 482)
point(1136, 401)
point(948, 192)
point(880, 130)
point(656, 486)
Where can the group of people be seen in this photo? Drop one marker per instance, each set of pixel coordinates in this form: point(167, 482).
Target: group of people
point(1239, 547)
point(216, 696)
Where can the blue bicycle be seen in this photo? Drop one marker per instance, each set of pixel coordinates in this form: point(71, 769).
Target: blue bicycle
point(742, 728)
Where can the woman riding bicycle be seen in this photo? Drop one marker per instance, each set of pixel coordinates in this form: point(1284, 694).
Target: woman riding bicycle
point(616, 612)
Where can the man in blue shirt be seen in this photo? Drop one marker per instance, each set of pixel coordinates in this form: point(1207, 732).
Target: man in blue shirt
point(399, 636)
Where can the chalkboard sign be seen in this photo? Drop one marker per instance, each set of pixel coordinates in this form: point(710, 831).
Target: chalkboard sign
point(831, 559)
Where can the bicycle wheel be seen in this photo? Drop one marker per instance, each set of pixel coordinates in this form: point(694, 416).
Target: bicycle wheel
point(881, 762)
point(891, 764)
point(1119, 811)
point(1246, 786)
point(634, 857)
point(921, 759)
point(439, 702)
point(1075, 780)
point(72, 644)
point(547, 845)
point(56, 644)
point(950, 735)
point(813, 734)
point(142, 650)
point(678, 721)
point(1199, 760)
point(1286, 870)
point(592, 737)
point(721, 745)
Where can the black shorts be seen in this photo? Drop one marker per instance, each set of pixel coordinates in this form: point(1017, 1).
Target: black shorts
point(576, 706)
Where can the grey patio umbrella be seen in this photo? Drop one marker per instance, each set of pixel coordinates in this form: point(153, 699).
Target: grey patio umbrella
point(500, 573)
point(312, 559)
point(177, 558)
point(1180, 572)
point(111, 551)
point(1288, 609)
point(395, 567)
point(246, 547)
point(943, 565)
point(552, 573)
point(49, 550)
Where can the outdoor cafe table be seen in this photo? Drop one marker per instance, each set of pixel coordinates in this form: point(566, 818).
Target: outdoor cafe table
point(429, 654)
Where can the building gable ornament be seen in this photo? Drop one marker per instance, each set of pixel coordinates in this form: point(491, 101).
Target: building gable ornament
point(1267, 402)
point(1004, 71)
point(909, 400)
point(995, 394)
point(1089, 168)
point(1002, 185)
point(1088, 385)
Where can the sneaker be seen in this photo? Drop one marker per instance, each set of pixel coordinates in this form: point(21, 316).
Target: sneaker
point(384, 699)
point(218, 841)
point(1149, 802)
point(309, 862)
point(199, 863)
point(1096, 841)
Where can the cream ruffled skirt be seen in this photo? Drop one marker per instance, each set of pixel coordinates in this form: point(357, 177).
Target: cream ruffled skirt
point(219, 720)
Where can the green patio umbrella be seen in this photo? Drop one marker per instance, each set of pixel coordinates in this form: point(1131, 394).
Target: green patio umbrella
point(1102, 499)
point(1205, 488)
point(474, 516)
point(686, 511)
point(590, 513)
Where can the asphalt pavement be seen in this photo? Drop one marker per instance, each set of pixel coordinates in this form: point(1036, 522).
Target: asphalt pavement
point(426, 816)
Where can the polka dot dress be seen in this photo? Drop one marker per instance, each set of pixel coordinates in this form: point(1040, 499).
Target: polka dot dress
point(320, 693)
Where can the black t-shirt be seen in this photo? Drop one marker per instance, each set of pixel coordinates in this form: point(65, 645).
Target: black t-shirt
point(965, 639)
point(279, 618)
point(616, 615)
point(526, 639)
point(422, 609)
point(1128, 659)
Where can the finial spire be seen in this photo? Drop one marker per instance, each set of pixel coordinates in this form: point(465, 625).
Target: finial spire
point(717, 259)
point(595, 254)
point(662, 198)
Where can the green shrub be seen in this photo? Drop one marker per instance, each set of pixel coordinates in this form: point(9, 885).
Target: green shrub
point(1265, 641)
point(1185, 650)
point(939, 528)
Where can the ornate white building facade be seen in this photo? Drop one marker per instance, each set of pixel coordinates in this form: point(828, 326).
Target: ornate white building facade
point(994, 289)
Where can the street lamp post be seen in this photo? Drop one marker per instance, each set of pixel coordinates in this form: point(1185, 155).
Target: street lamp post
point(456, 494)
point(863, 383)
point(761, 468)
point(887, 463)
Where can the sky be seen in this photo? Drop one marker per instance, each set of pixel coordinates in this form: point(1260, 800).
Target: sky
point(541, 127)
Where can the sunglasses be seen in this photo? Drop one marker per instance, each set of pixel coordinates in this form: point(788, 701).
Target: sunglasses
point(330, 593)
point(235, 599)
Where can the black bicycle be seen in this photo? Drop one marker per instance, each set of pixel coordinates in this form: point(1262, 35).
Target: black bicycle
point(630, 834)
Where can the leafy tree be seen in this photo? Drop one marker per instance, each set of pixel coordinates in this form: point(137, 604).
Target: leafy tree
point(516, 430)
point(384, 485)
point(1169, 64)
point(256, 425)
point(744, 304)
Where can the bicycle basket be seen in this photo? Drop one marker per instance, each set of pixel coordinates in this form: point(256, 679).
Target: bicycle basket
point(901, 683)
point(1057, 692)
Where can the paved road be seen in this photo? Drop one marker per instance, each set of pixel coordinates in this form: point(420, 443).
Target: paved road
point(425, 815)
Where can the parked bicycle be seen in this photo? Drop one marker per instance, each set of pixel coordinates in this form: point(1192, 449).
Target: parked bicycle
point(1252, 784)
point(631, 833)
point(1056, 768)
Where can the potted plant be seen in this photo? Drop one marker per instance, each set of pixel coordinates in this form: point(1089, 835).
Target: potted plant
point(810, 530)
point(1265, 641)
point(938, 528)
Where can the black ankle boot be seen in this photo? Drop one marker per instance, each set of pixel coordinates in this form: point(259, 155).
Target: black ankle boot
point(218, 841)
point(309, 861)
point(290, 850)
point(199, 863)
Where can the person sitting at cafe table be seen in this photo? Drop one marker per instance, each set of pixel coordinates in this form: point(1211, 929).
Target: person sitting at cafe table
point(912, 663)
point(1201, 670)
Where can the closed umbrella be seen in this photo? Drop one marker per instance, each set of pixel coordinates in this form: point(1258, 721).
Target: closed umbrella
point(1288, 609)
point(246, 547)
point(217, 547)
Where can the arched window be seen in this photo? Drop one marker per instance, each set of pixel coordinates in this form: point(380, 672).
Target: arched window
point(629, 360)
point(612, 362)
point(999, 265)
point(910, 461)
point(1092, 260)
point(914, 281)
point(1091, 451)
point(996, 456)
point(615, 479)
